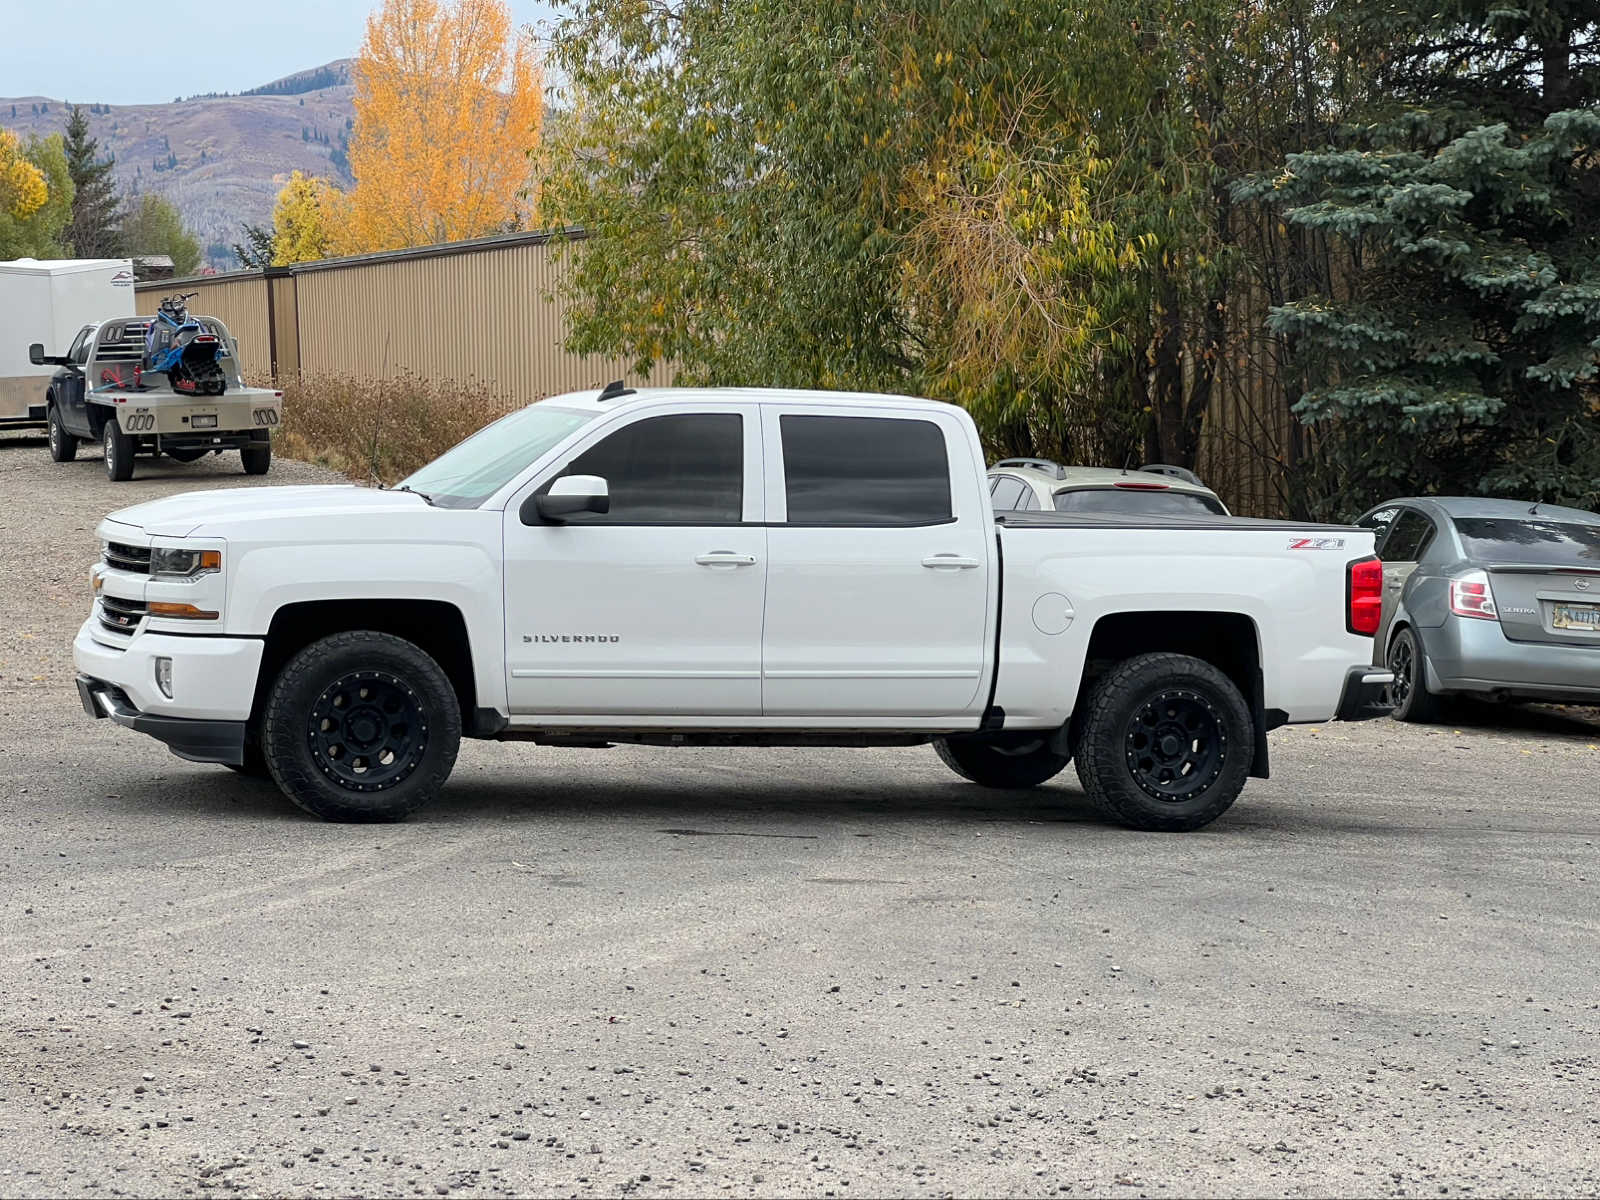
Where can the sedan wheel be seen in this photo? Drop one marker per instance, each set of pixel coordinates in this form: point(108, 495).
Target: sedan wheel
point(1409, 692)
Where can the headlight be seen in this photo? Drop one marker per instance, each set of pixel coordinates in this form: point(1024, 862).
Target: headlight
point(168, 563)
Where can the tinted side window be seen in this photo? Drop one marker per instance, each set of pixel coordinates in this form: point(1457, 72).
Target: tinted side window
point(1408, 538)
point(865, 471)
point(1007, 491)
point(684, 469)
point(78, 352)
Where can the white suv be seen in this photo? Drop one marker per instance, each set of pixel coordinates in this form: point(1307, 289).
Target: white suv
point(1033, 484)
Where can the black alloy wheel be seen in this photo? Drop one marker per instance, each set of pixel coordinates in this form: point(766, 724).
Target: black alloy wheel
point(1175, 745)
point(367, 731)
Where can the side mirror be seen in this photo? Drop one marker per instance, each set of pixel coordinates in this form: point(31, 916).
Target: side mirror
point(36, 354)
point(568, 495)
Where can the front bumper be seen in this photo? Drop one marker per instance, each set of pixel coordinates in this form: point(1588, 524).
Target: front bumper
point(187, 737)
point(1366, 694)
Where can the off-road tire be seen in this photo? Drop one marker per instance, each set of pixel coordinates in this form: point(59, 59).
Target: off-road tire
point(314, 777)
point(256, 459)
point(1004, 762)
point(1146, 717)
point(63, 445)
point(119, 448)
point(1413, 701)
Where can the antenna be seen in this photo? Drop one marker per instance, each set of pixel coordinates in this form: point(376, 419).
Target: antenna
point(614, 389)
point(1533, 511)
point(377, 419)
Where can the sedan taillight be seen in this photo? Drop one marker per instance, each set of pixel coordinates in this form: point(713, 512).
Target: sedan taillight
point(1364, 596)
point(1471, 596)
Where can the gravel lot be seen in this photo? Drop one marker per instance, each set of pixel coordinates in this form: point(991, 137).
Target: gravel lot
point(820, 972)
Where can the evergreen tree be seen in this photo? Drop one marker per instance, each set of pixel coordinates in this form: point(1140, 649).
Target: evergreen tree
point(96, 215)
point(1460, 351)
point(257, 249)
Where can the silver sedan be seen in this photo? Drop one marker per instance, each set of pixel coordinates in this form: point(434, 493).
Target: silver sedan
point(1498, 599)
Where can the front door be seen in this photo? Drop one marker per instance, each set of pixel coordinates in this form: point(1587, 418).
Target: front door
point(653, 608)
point(70, 385)
point(879, 580)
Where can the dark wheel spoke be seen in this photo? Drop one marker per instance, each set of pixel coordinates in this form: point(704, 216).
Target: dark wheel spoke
point(1175, 746)
point(367, 731)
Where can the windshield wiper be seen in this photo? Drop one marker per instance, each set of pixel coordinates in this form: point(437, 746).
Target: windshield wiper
point(408, 488)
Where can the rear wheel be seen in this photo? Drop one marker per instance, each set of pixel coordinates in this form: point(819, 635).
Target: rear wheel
point(361, 726)
point(1167, 743)
point(63, 446)
point(257, 458)
point(1004, 761)
point(119, 452)
point(1409, 691)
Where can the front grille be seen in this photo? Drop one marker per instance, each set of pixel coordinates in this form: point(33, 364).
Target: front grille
point(122, 557)
point(119, 615)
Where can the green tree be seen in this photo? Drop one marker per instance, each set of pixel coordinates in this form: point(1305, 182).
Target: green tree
point(258, 248)
point(40, 233)
point(96, 209)
point(1457, 346)
point(845, 195)
point(154, 226)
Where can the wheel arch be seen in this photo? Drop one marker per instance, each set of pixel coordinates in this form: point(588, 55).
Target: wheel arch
point(1229, 641)
point(436, 626)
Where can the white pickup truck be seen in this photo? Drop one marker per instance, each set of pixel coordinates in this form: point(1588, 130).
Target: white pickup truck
point(722, 567)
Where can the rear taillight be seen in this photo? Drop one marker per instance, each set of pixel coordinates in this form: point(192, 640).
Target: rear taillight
point(1471, 596)
point(1364, 596)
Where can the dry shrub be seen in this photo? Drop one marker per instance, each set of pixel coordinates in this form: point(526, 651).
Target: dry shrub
point(382, 431)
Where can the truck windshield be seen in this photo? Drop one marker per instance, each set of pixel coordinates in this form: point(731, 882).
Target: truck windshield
point(470, 472)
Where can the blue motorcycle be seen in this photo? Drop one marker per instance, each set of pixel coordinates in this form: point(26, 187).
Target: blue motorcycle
point(185, 349)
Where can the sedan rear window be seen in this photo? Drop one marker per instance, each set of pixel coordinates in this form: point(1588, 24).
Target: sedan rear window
point(1532, 541)
point(1138, 500)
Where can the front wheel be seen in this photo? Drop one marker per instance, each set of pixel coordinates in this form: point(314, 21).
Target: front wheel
point(1167, 743)
point(256, 459)
point(1004, 761)
point(361, 726)
point(63, 445)
point(119, 452)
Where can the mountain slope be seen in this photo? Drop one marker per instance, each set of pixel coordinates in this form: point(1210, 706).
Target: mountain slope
point(219, 159)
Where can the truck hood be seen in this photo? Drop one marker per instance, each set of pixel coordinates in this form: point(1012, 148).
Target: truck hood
point(184, 514)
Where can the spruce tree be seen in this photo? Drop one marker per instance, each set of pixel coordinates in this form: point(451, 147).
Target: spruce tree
point(1460, 349)
point(96, 215)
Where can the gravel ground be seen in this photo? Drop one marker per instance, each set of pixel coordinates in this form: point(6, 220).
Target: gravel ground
point(822, 972)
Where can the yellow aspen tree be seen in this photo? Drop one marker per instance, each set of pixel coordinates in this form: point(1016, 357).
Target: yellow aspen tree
point(23, 190)
point(307, 220)
point(448, 107)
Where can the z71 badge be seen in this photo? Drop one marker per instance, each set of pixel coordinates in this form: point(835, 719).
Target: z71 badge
point(1317, 544)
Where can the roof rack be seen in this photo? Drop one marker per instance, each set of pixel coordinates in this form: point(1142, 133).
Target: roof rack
point(614, 389)
point(1182, 473)
point(1054, 469)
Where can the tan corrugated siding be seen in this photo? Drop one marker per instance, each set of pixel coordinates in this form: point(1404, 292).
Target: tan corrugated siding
point(485, 314)
point(239, 302)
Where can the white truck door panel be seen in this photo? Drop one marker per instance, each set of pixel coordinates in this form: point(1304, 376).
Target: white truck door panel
point(656, 606)
point(877, 595)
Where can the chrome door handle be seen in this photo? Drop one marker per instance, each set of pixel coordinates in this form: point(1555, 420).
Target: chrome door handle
point(725, 558)
point(950, 562)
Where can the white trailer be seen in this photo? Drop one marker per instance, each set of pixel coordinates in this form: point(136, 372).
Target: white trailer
point(49, 301)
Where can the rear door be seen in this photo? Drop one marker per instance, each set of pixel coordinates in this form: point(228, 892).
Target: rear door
point(1408, 539)
point(1545, 575)
point(879, 566)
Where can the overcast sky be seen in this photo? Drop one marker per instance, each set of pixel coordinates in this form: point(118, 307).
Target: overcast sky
point(136, 51)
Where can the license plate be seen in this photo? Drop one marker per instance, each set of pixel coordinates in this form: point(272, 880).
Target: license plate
point(203, 422)
point(1577, 616)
